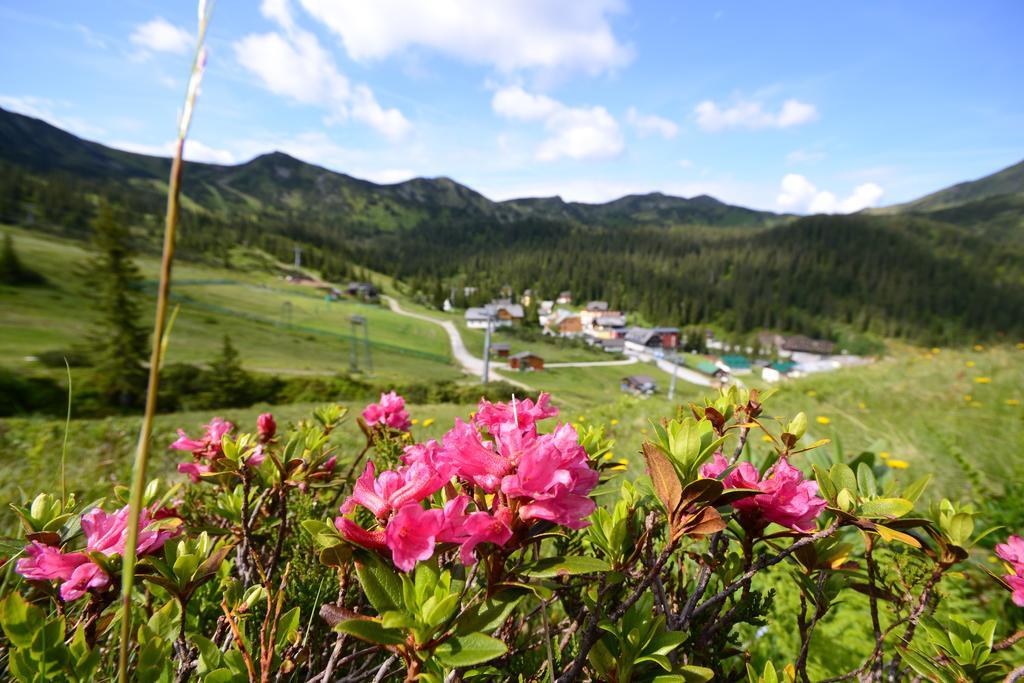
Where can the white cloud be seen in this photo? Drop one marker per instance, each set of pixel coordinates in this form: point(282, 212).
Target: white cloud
point(505, 34)
point(752, 114)
point(43, 108)
point(293, 64)
point(160, 35)
point(194, 151)
point(804, 156)
point(650, 124)
point(800, 195)
point(572, 132)
point(515, 103)
point(685, 163)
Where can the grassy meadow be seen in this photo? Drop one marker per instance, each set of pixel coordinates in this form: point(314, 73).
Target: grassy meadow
point(954, 413)
point(251, 308)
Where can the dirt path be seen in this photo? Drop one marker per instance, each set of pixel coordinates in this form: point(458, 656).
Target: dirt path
point(470, 363)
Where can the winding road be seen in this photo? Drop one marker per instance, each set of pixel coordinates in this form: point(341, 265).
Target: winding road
point(470, 363)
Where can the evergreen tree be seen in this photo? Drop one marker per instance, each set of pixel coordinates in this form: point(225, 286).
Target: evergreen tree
point(228, 384)
point(119, 342)
point(12, 270)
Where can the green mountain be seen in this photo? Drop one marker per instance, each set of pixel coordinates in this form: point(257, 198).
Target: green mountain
point(948, 268)
point(1009, 181)
point(277, 182)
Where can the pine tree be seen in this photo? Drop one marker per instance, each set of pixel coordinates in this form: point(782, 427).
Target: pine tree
point(12, 270)
point(119, 342)
point(228, 385)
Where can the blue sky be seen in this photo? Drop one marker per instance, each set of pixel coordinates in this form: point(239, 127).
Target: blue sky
point(796, 106)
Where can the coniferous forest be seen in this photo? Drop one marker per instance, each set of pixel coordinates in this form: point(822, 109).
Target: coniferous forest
point(940, 272)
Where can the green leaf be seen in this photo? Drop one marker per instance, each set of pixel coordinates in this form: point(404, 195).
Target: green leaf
point(20, 620)
point(469, 649)
point(913, 491)
point(491, 613)
point(439, 611)
point(798, 426)
point(664, 477)
point(551, 567)
point(287, 627)
point(209, 654)
point(382, 585)
point(866, 480)
point(166, 620)
point(886, 507)
point(843, 477)
point(371, 631)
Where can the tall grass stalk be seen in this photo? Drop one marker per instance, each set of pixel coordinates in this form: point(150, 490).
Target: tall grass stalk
point(64, 448)
point(155, 360)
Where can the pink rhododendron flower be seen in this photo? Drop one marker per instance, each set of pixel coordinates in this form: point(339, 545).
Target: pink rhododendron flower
point(194, 470)
point(390, 412)
point(522, 414)
point(1013, 552)
point(104, 533)
point(209, 445)
point(372, 540)
point(429, 454)
point(787, 499)
point(472, 459)
point(411, 535)
point(329, 464)
point(714, 469)
point(47, 563)
point(554, 475)
point(1017, 584)
point(393, 489)
point(257, 457)
point(483, 527)
point(266, 428)
point(86, 577)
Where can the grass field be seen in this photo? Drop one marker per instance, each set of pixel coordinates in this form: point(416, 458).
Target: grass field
point(954, 413)
point(58, 316)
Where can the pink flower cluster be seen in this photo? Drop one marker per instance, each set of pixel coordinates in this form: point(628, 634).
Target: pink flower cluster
point(526, 475)
point(787, 498)
point(389, 412)
point(105, 533)
point(1013, 552)
point(207, 448)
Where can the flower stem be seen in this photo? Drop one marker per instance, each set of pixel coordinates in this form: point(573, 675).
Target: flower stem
point(163, 294)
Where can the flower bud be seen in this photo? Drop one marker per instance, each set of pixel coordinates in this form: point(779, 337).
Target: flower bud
point(266, 427)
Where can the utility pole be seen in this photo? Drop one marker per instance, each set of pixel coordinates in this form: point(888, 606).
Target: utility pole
point(356, 321)
point(672, 384)
point(366, 345)
point(487, 350)
point(298, 257)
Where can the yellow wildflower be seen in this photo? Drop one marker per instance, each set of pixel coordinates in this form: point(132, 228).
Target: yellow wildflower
point(812, 393)
point(968, 398)
point(429, 421)
point(415, 420)
point(982, 380)
point(936, 349)
point(614, 422)
point(970, 363)
point(581, 419)
point(862, 405)
point(822, 420)
point(1013, 401)
point(1020, 345)
point(884, 455)
point(897, 464)
point(979, 347)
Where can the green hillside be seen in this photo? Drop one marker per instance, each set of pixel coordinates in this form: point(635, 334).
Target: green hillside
point(948, 275)
point(1009, 181)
